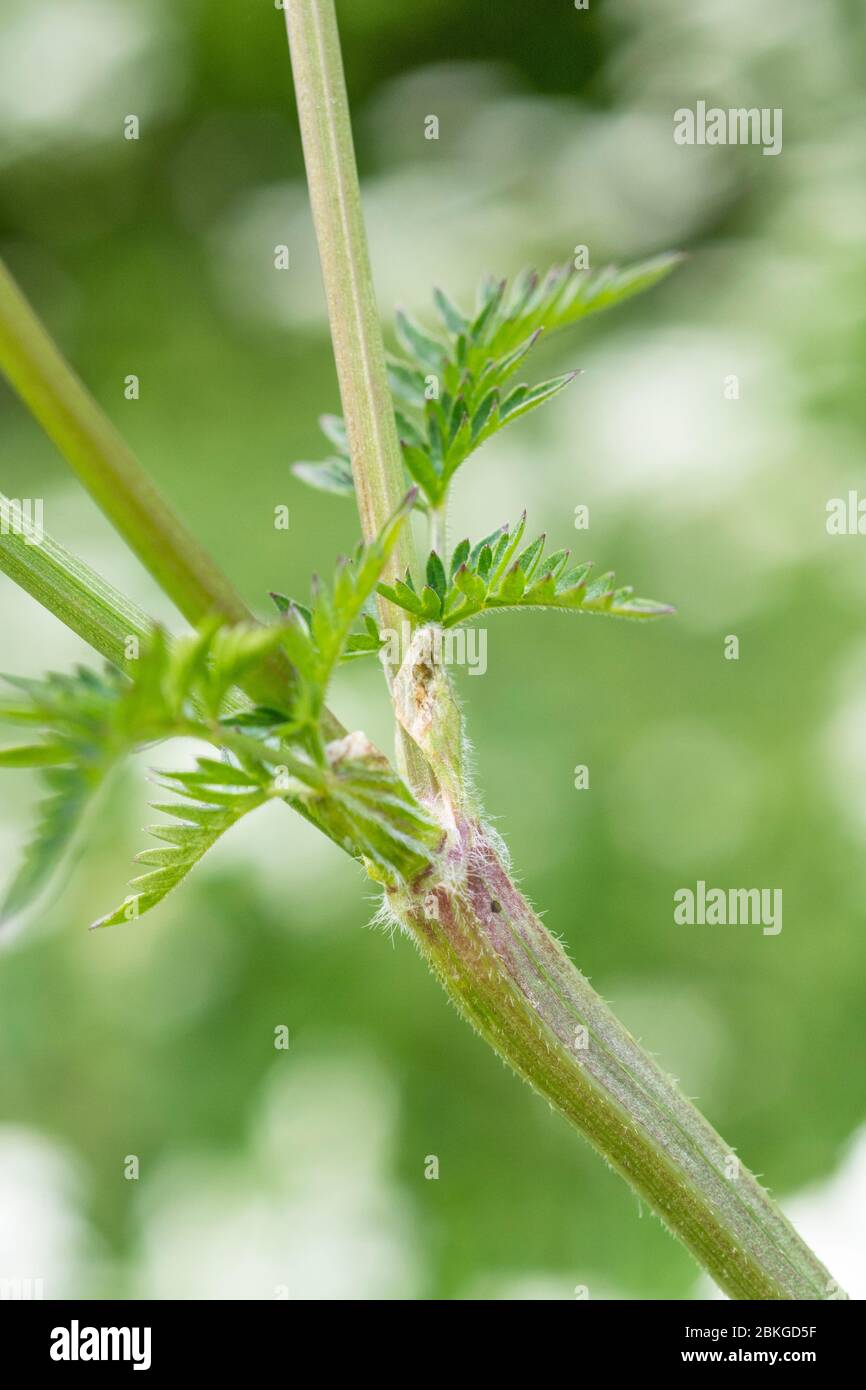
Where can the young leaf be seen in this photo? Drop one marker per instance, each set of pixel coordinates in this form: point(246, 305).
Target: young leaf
point(330, 475)
point(401, 595)
point(495, 573)
point(459, 557)
point(523, 399)
point(317, 643)
point(471, 367)
point(480, 353)
point(189, 687)
point(34, 755)
point(218, 797)
point(333, 427)
point(453, 319)
point(426, 350)
point(73, 711)
point(59, 817)
point(436, 574)
point(98, 720)
point(422, 470)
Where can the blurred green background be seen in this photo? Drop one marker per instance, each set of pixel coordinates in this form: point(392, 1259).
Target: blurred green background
point(300, 1173)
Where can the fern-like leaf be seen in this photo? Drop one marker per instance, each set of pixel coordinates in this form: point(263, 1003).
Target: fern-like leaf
point(501, 572)
point(88, 722)
point(218, 795)
point(329, 475)
point(71, 714)
point(451, 386)
point(319, 636)
point(188, 687)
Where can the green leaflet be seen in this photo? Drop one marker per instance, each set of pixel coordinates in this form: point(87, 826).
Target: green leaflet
point(497, 573)
point(450, 385)
point(78, 727)
point(331, 475)
point(366, 643)
point(70, 713)
point(218, 796)
point(88, 722)
point(58, 818)
point(34, 755)
point(316, 638)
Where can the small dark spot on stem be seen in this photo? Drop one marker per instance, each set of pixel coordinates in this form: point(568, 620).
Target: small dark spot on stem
point(494, 906)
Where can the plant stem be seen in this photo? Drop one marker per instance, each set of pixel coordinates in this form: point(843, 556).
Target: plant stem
point(491, 953)
point(106, 465)
point(115, 479)
point(74, 593)
point(335, 196)
point(106, 619)
point(356, 332)
point(512, 981)
point(438, 533)
point(515, 984)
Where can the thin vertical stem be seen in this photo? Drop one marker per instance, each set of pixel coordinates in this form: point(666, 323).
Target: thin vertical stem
point(356, 332)
point(438, 532)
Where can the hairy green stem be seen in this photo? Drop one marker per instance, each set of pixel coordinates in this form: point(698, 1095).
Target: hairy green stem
point(518, 988)
point(491, 953)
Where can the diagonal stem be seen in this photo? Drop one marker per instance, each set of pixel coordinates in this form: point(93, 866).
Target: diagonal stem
point(72, 591)
point(104, 617)
point(115, 479)
point(105, 464)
